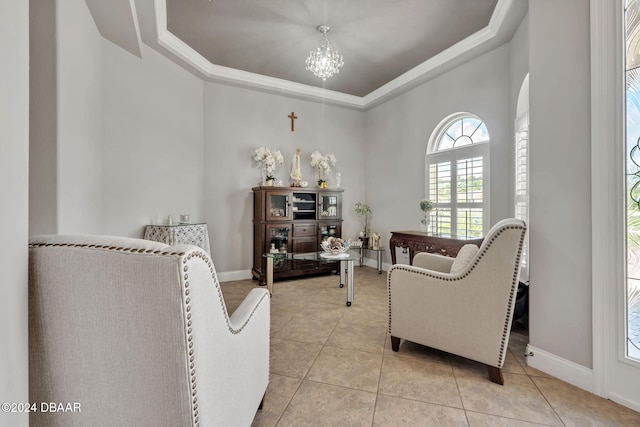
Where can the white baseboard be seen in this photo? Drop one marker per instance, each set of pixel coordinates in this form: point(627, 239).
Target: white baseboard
point(371, 262)
point(560, 368)
point(633, 404)
point(229, 276)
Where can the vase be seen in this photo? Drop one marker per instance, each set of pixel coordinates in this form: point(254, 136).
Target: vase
point(321, 181)
point(270, 183)
point(425, 225)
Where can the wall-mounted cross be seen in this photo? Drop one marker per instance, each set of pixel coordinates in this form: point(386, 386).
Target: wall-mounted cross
point(292, 116)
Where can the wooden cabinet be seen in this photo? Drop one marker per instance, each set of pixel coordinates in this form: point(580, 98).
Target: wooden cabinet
point(416, 241)
point(293, 220)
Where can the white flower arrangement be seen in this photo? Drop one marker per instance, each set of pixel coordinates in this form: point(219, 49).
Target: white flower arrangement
point(322, 163)
point(269, 160)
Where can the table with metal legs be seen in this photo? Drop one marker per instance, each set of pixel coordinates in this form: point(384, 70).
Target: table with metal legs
point(346, 276)
point(378, 252)
point(346, 267)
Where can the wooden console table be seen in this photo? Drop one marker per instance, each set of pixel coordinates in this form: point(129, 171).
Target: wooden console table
point(417, 241)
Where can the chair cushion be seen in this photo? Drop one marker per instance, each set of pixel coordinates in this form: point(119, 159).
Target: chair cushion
point(463, 259)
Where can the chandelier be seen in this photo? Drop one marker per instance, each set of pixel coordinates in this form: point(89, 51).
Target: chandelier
point(325, 61)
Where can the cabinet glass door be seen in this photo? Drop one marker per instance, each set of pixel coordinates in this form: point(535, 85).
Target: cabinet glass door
point(329, 207)
point(329, 230)
point(278, 205)
point(278, 242)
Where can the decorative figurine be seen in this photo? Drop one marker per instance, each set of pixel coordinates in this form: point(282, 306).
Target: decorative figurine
point(296, 175)
point(375, 240)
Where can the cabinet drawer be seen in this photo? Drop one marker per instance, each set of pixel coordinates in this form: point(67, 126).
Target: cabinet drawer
point(305, 245)
point(300, 230)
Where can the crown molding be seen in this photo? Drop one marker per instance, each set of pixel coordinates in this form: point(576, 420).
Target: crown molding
point(117, 21)
point(462, 51)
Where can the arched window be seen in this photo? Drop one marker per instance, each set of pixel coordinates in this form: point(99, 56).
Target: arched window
point(457, 181)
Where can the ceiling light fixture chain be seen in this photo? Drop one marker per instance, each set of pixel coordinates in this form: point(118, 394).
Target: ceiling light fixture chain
point(325, 61)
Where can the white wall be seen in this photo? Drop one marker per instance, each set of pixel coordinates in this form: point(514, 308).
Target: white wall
point(397, 133)
point(519, 49)
point(117, 123)
point(519, 68)
point(43, 120)
point(237, 121)
point(14, 169)
point(79, 138)
point(152, 163)
point(66, 133)
point(560, 235)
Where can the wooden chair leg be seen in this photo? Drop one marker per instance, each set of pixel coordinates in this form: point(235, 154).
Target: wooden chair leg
point(395, 343)
point(495, 375)
point(261, 403)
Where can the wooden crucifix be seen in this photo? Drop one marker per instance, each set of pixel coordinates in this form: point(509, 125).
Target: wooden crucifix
point(292, 116)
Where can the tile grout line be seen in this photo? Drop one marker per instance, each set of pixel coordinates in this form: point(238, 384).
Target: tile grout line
point(524, 368)
point(546, 399)
point(455, 379)
point(375, 403)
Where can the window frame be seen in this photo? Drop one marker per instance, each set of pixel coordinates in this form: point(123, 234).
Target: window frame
point(453, 155)
point(521, 183)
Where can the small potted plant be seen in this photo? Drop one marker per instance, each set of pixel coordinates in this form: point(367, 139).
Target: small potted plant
point(364, 211)
point(426, 206)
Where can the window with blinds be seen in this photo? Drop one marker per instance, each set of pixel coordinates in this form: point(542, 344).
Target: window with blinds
point(457, 177)
point(521, 180)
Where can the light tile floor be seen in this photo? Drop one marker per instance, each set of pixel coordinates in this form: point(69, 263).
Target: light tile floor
point(333, 365)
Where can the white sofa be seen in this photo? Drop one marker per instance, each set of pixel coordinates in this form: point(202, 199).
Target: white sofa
point(137, 333)
point(463, 306)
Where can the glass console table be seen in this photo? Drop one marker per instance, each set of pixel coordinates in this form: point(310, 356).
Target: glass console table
point(378, 252)
point(346, 266)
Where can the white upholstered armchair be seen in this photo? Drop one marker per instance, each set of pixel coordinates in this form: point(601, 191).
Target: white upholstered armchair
point(463, 306)
point(137, 333)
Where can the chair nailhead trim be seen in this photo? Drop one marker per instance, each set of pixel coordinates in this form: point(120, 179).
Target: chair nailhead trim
point(166, 252)
point(202, 256)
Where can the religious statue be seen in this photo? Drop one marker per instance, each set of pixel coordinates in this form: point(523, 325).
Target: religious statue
point(296, 175)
